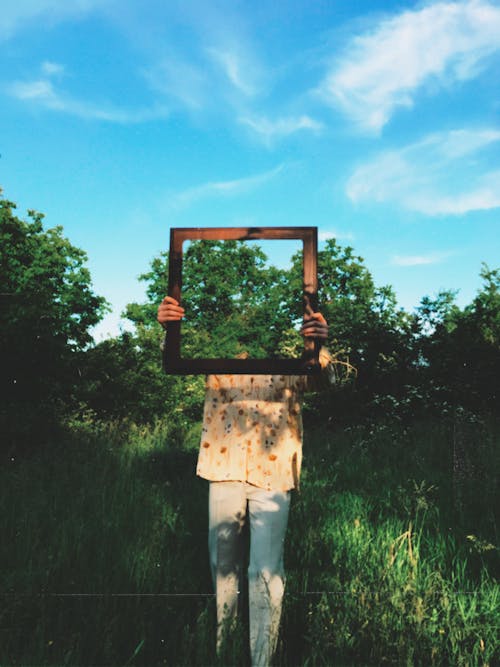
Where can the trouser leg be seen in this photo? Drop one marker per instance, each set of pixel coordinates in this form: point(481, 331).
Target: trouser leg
point(227, 508)
point(268, 512)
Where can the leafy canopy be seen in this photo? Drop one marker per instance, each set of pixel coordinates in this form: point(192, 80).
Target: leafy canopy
point(48, 308)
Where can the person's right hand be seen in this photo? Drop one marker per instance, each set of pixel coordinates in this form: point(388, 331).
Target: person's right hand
point(169, 311)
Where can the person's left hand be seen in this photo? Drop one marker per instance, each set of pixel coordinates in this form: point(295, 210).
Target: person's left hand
point(315, 326)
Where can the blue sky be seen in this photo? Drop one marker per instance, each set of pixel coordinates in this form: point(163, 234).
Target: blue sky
point(377, 121)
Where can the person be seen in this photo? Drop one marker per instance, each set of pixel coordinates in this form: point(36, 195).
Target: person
point(251, 453)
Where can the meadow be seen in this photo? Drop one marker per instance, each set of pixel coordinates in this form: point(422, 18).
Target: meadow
point(391, 554)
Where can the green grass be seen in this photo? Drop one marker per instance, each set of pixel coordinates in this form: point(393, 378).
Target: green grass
point(390, 556)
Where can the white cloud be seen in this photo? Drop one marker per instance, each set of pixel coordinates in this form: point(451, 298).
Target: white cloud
point(420, 260)
point(206, 60)
point(281, 127)
point(43, 93)
point(209, 79)
point(460, 143)
point(180, 80)
point(484, 197)
point(381, 70)
point(49, 68)
point(443, 174)
point(16, 14)
point(223, 188)
point(238, 69)
point(41, 90)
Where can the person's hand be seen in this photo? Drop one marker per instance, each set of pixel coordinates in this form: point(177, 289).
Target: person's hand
point(169, 310)
point(315, 326)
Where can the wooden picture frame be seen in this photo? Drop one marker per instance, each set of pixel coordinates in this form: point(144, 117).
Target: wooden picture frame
point(175, 364)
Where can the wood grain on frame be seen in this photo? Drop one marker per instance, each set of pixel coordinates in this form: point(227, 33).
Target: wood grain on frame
point(308, 363)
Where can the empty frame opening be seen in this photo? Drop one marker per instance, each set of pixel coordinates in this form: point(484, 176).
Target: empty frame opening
point(244, 291)
point(242, 299)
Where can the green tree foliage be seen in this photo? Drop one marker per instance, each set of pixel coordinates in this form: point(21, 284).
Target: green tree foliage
point(123, 376)
point(405, 362)
point(461, 351)
point(123, 379)
point(366, 327)
point(364, 319)
point(235, 301)
point(234, 298)
point(48, 307)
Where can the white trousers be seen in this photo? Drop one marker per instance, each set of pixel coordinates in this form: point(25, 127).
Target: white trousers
point(268, 514)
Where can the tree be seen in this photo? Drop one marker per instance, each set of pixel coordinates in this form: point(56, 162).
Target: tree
point(123, 379)
point(48, 307)
point(232, 293)
point(366, 327)
point(365, 323)
point(461, 349)
point(234, 302)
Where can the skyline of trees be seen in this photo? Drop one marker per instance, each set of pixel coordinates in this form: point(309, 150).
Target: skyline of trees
point(440, 354)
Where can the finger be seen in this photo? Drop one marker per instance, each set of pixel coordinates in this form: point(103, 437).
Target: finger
point(315, 334)
point(171, 309)
point(314, 328)
point(315, 316)
point(169, 313)
point(170, 299)
point(169, 316)
point(315, 322)
point(322, 333)
point(170, 305)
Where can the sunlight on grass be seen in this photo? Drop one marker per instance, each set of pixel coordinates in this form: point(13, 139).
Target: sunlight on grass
point(105, 562)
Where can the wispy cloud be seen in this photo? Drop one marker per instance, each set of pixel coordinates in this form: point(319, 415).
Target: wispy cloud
point(420, 260)
point(237, 68)
point(183, 82)
point(442, 174)
point(270, 130)
point(207, 59)
point(382, 70)
point(50, 68)
point(43, 93)
point(17, 15)
point(205, 80)
point(224, 188)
